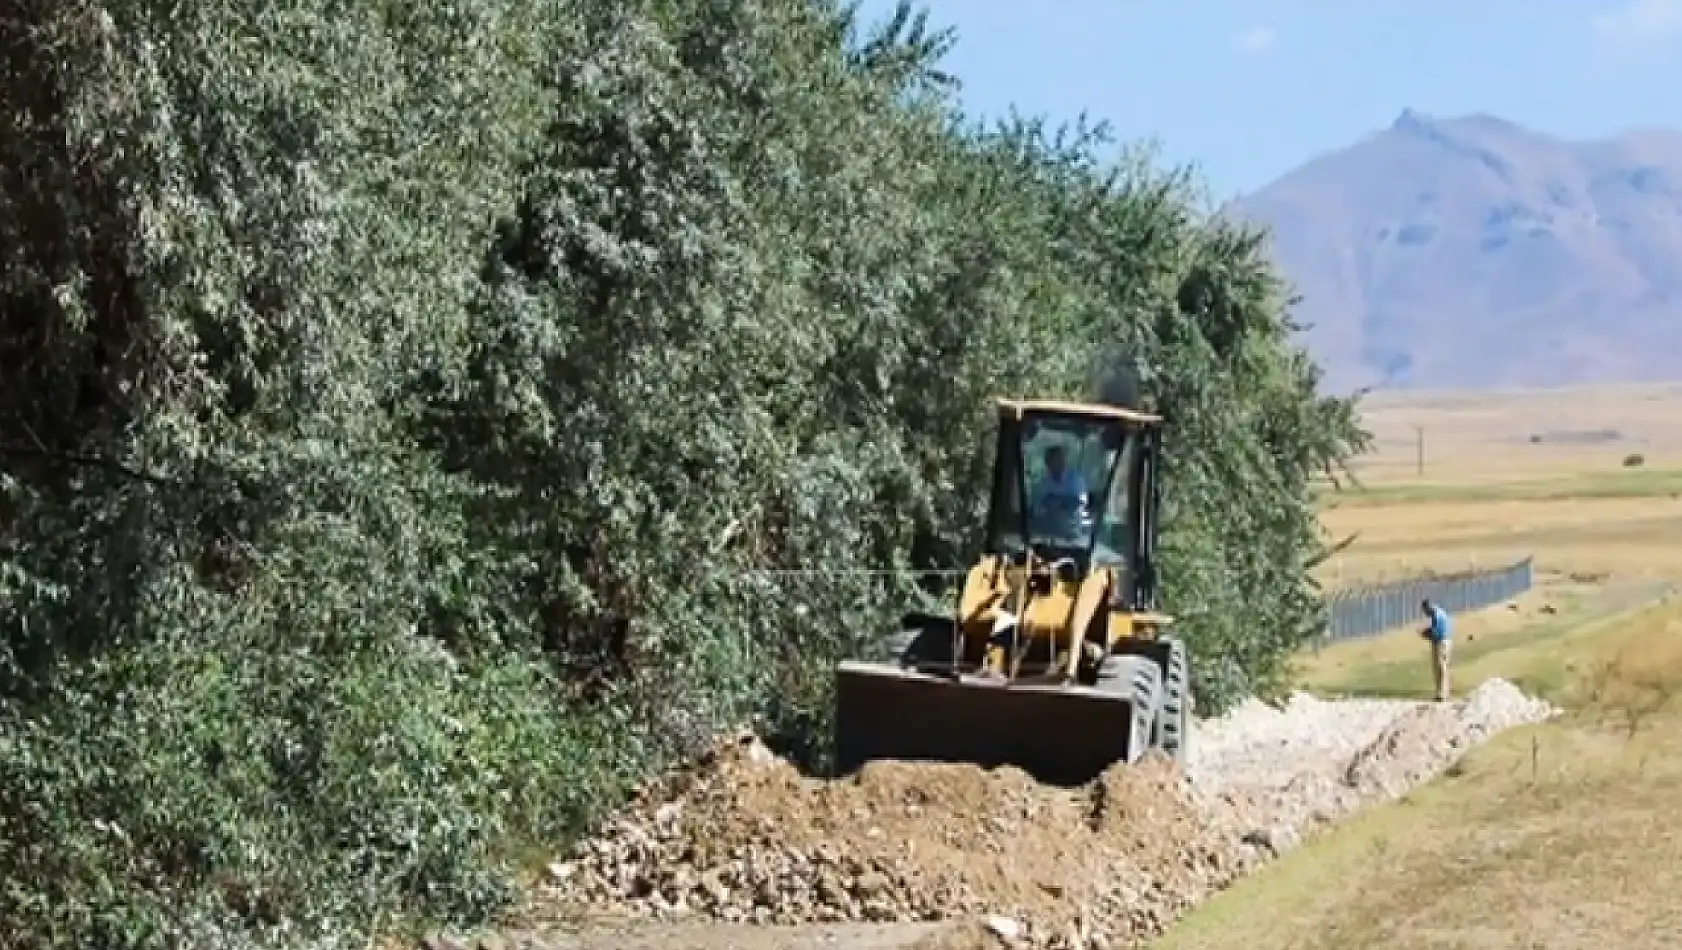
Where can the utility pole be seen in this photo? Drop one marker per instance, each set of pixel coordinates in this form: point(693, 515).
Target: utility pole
point(1419, 450)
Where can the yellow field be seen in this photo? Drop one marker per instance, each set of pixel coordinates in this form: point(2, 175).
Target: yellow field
point(1557, 836)
point(1488, 496)
point(1485, 437)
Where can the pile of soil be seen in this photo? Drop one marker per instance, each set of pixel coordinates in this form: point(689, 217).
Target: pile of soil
point(742, 837)
point(747, 838)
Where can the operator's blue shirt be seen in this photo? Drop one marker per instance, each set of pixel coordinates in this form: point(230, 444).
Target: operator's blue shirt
point(1058, 503)
point(1068, 491)
point(1439, 624)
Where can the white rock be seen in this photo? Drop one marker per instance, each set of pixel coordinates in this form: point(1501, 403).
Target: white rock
point(1005, 928)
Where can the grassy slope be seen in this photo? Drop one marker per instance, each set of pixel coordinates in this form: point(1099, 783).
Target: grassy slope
point(1557, 836)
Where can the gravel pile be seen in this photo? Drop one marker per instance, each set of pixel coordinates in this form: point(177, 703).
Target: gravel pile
point(743, 837)
point(1293, 769)
point(752, 840)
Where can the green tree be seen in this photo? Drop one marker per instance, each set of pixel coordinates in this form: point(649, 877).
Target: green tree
point(417, 424)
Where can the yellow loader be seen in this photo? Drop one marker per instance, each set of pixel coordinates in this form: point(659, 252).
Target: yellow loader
point(1055, 660)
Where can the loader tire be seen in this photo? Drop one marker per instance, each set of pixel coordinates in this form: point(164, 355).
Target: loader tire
point(1173, 720)
point(1139, 680)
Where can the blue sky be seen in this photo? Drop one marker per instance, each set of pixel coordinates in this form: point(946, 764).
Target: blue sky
point(1248, 89)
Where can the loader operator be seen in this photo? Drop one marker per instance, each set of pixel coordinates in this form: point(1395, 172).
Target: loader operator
point(1060, 498)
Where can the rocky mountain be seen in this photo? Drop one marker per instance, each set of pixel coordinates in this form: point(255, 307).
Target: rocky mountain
point(1473, 252)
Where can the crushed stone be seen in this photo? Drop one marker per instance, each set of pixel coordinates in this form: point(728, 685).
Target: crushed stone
point(743, 837)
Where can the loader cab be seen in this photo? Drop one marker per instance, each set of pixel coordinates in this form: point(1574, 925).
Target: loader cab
point(1078, 482)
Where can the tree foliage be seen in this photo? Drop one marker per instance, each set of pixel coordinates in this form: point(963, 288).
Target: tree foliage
point(419, 422)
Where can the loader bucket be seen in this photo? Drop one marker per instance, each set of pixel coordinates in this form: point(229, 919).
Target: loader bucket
point(1060, 735)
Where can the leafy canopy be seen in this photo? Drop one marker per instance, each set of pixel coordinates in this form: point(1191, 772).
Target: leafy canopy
point(419, 421)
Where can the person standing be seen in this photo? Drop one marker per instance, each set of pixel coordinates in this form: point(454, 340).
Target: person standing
point(1437, 632)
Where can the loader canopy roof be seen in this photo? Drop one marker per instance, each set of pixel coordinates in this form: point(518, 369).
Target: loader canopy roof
point(1089, 512)
point(1042, 408)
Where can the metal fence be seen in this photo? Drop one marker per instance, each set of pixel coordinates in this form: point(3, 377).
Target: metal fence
point(1368, 611)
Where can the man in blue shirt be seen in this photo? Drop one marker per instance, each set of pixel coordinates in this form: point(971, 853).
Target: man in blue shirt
point(1060, 498)
point(1437, 632)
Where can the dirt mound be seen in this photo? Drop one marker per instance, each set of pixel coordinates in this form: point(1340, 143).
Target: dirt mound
point(748, 838)
point(744, 838)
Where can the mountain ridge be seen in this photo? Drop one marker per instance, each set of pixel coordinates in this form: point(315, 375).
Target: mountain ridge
point(1474, 252)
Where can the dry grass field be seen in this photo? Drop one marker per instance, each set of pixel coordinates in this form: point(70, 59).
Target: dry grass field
point(1558, 836)
point(1486, 494)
